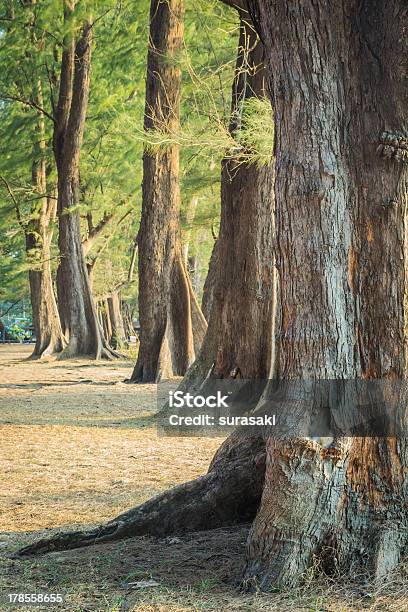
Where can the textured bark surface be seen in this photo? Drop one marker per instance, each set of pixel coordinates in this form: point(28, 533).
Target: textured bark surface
point(210, 280)
point(170, 331)
point(341, 254)
point(240, 292)
point(77, 308)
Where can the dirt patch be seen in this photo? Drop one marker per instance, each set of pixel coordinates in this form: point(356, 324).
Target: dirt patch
point(80, 446)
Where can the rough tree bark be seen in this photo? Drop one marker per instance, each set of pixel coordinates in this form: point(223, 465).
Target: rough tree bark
point(338, 90)
point(171, 322)
point(77, 308)
point(209, 283)
point(47, 326)
point(240, 333)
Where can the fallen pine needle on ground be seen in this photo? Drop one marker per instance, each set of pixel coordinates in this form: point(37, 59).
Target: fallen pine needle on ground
point(79, 446)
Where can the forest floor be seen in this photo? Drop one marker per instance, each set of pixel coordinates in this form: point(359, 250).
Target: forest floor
point(79, 446)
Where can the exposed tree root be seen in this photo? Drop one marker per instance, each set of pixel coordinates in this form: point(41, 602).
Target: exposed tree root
point(49, 351)
point(228, 494)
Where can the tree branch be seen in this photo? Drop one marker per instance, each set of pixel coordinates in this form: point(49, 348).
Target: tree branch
point(29, 103)
point(92, 260)
point(3, 314)
point(95, 231)
point(239, 5)
point(16, 205)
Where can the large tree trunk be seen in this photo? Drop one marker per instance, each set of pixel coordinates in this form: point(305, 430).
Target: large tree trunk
point(338, 88)
point(172, 325)
point(47, 326)
point(78, 312)
point(241, 308)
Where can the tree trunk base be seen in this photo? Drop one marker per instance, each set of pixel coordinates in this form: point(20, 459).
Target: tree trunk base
point(228, 494)
point(171, 351)
point(100, 352)
point(313, 511)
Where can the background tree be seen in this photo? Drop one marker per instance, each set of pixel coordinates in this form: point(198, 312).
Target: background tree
point(172, 325)
point(111, 153)
point(39, 234)
point(77, 306)
point(231, 490)
point(34, 204)
point(106, 185)
point(244, 267)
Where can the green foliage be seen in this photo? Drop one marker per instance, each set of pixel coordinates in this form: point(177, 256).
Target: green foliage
point(257, 134)
point(32, 36)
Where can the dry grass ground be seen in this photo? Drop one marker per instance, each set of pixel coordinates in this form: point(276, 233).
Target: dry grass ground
point(77, 447)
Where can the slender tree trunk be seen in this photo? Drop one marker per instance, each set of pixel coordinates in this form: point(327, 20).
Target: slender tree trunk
point(172, 325)
point(78, 312)
point(189, 220)
point(127, 320)
point(47, 326)
point(194, 273)
point(39, 232)
point(338, 90)
point(116, 319)
point(106, 320)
